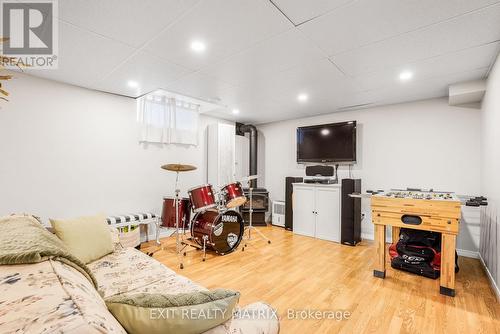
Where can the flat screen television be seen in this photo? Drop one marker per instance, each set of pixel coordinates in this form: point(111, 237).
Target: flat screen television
point(335, 142)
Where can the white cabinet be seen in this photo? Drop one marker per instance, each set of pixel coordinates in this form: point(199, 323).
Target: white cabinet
point(304, 208)
point(328, 213)
point(316, 210)
point(220, 154)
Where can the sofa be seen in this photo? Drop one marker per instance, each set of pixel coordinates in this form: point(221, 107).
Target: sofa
point(53, 297)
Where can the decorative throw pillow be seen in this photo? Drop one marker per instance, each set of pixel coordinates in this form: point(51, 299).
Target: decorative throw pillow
point(87, 238)
point(184, 313)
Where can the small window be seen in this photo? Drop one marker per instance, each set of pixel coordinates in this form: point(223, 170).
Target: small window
point(167, 120)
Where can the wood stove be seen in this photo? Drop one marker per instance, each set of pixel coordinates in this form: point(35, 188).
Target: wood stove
point(260, 205)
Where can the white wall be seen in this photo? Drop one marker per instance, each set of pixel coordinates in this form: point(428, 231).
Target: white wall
point(490, 177)
point(67, 151)
point(424, 144)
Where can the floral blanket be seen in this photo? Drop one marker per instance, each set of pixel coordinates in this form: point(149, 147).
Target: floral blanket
point(51, 297)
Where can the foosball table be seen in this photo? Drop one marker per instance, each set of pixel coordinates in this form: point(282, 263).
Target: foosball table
point(428, 211)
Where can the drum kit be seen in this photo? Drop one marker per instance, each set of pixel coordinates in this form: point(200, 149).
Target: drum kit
point(211, 217)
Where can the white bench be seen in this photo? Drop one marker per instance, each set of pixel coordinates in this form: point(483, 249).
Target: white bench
point(126, 223)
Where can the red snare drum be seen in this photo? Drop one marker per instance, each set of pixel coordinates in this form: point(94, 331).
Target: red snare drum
point(168, 212)
point(223, 231)
point(202, 198)
point(233, 194)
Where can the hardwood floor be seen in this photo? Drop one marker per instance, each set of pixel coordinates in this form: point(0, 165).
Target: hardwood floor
point(301, 273)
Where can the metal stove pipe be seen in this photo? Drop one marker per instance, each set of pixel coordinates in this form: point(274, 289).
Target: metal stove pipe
point(252, 130)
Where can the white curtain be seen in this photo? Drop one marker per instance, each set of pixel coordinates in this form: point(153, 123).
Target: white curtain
point(167, 120)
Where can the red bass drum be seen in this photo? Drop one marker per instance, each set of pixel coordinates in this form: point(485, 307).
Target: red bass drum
point(168, 212)
point(223, 231)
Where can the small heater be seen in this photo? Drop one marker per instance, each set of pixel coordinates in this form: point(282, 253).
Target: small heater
point(278, 213)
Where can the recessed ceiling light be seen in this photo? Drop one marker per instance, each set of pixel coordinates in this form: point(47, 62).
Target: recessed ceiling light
point(133, 84)
point(325, 132)
point(302, 97)
point(235, 111)
point(405, 75)
point(198, 46)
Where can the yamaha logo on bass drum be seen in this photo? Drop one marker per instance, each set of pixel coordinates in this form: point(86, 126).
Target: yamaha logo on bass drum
point(229, 219)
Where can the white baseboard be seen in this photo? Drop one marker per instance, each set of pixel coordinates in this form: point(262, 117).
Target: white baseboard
point(468, 253)
point(369, 236)
point(493, 284)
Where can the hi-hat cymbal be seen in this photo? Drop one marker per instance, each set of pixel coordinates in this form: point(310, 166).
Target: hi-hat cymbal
point(249, 178)
point(178, 167)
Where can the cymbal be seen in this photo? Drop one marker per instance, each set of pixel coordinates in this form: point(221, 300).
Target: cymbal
point(249, 178)
point(178, 167)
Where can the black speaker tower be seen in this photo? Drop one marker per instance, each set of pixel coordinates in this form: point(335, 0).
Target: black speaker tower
point(288, 200)
point(350, 230)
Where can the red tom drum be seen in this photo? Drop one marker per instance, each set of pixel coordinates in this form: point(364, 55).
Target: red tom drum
point(202, 198)
point(234, 195)
point(223, 231)
point(168, 212)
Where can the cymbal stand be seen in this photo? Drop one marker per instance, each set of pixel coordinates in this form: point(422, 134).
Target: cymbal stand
point(177, 236)
point(250, 227)
point(205, 239)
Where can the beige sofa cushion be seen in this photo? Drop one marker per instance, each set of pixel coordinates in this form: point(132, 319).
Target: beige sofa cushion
point(185, 313)
point(88, 238)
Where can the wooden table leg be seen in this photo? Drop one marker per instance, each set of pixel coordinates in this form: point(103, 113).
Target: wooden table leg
point(379, 270)
point(447, 279)
point(395, 234)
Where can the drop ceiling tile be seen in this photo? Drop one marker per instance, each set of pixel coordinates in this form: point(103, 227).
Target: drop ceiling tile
point(425, 89)
point(468, 31)
point(283, 108)
point(463, 61)
point(235, 97)
point(314, 106)
point(275, 97)
point(129, 21)
point(367, 21)
point(84, 57)
point(225, 26)
point(266, 58)
point(321, 78)
point(253, 111)
point(148, 71)
point(300, 11)
point(316, 78)
point(202, 86)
